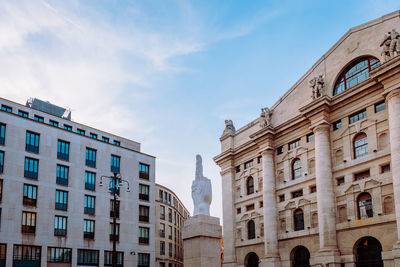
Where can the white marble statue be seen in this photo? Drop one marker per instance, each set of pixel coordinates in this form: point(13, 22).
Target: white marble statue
point(266, 115)
point(201, 190)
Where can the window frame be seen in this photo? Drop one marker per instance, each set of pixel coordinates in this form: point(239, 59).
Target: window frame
point(360, 145)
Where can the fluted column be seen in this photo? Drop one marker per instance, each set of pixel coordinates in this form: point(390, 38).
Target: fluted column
point(270, 210)
point(325, 191)
point(393, 102)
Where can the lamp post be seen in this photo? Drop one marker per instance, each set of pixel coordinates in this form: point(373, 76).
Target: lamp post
point(114, 184)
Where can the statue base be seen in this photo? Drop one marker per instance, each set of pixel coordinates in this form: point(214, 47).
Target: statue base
point(201, 236)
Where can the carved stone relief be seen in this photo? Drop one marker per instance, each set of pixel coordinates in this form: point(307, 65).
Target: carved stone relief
point(390, 45)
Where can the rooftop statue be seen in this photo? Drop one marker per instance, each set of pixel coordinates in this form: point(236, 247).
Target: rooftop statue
point(229, 128)
point(201, 190)
point(265, 115)
point(317, 85)
point(391, 45)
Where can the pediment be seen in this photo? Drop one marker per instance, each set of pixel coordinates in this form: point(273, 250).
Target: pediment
point(362, 185)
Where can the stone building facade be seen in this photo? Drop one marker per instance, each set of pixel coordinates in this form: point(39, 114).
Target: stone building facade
point(315, 180)
point(170, 215)
point(56, 209)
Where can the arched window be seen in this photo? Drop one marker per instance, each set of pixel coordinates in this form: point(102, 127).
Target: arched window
point(360, 145)
point(250, 185)
point(251, 230)
point(356, 73)
point(298, 220)
point(364, 203)
point(296, 169)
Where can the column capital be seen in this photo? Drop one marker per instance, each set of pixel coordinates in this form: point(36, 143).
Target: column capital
point(391, 92)
point(230, 169)
point(266, 150)
point(321, 125)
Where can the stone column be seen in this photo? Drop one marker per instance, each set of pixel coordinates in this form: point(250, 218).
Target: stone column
point(325, 194)
point(270, 212)
point(393, 103)
point(229, 222)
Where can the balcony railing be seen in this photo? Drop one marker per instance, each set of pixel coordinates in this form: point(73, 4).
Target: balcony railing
point(162, 216)
point(27, 229)
point(91, 187)
point(29, 201)
point(143, 218)
point(61, 206)
point(89, 211)
point(2, 140)
point(143, 240)
point(114, 237)
point(62, 181)
point(63, 156)
point(31, 148)
point(114, 214)
point(91, 163)
point(143, 197)
point(115, 169)
point(60, 232)
point(144, 175)
point(88, 235)
point(32, 175)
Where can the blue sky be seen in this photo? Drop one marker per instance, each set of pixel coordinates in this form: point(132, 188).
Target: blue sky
point(168, 73)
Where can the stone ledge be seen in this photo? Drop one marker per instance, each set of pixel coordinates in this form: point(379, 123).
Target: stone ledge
point(202, 226)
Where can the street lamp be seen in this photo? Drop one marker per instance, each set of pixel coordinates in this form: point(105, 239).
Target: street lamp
point(115, 183)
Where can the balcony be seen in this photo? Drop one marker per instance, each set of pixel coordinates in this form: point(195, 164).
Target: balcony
point(162, 233)
point(114, 237)
point(27, 229)
point(63, 156)
point(91, 187)
point(31, 148)
point(29, 202)
point(91, 163)
point(144, 175)
point(143, 240)
point(143, 218)
point(144, 197)
point(89, 211)
point(114, 214)
point(61, 206)
point(32, 175)
point(62, 181)
point(60, 232)
point(115, 169)
point(88, 235)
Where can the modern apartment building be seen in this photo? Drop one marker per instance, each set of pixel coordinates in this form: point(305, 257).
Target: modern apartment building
point(55, 207)
point(170, 215)
point(314, 180)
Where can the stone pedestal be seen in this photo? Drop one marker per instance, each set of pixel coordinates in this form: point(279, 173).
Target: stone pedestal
point(201, 236)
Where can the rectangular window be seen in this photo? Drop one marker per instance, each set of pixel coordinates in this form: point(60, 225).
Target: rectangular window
point(170, 215)
point(380, 106)
point(298, 193)
point(144, 171)
point(117, 143)
point(162, 230)
point(144, 192)
point(144, 213)
point(6, 108)
point(115, 163)
point(105, 139)
point(1, 189)
point(313, 189)
point(114, 232)
point(63, 150)
point(358, 116)
point(38, 118)
point(170, 249)
point(337, 125)
point(281, 198)
point(340, 181)
point(88, 257)
point(53, 123)
point(88, 229)
point(144, 235)
point(90, 181)
point(80, 131)
point(248, 164)
point(294, 144)
point(250, 207)
point(67, 127)
point(259, 159)
point(62, 174)
point(385, 168)
point(23, 254)
point(1, 161)
point(89, 204)
point(28, 222)
point(238, 210)
point(23, 113)
point(279, 150)
point(237, 169)
point(2, 133)
point(91, 157)
point(32, 142)
point(61, 200)
point(108, 258)
point(93, 135)
point(310, 137)
point(143, 260)
point(162, 248)
point(160, 195)
point(361, 175)
point(60, 226)
point(60, 255)
point(30, 195)
point(114, 208)
point(162, 212)
point(31, 168)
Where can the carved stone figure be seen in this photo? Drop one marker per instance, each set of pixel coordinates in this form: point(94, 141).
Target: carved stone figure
point(201, 190)
point(317, 85)
point(265, 116)
point(391, 45)
point(229, 128)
